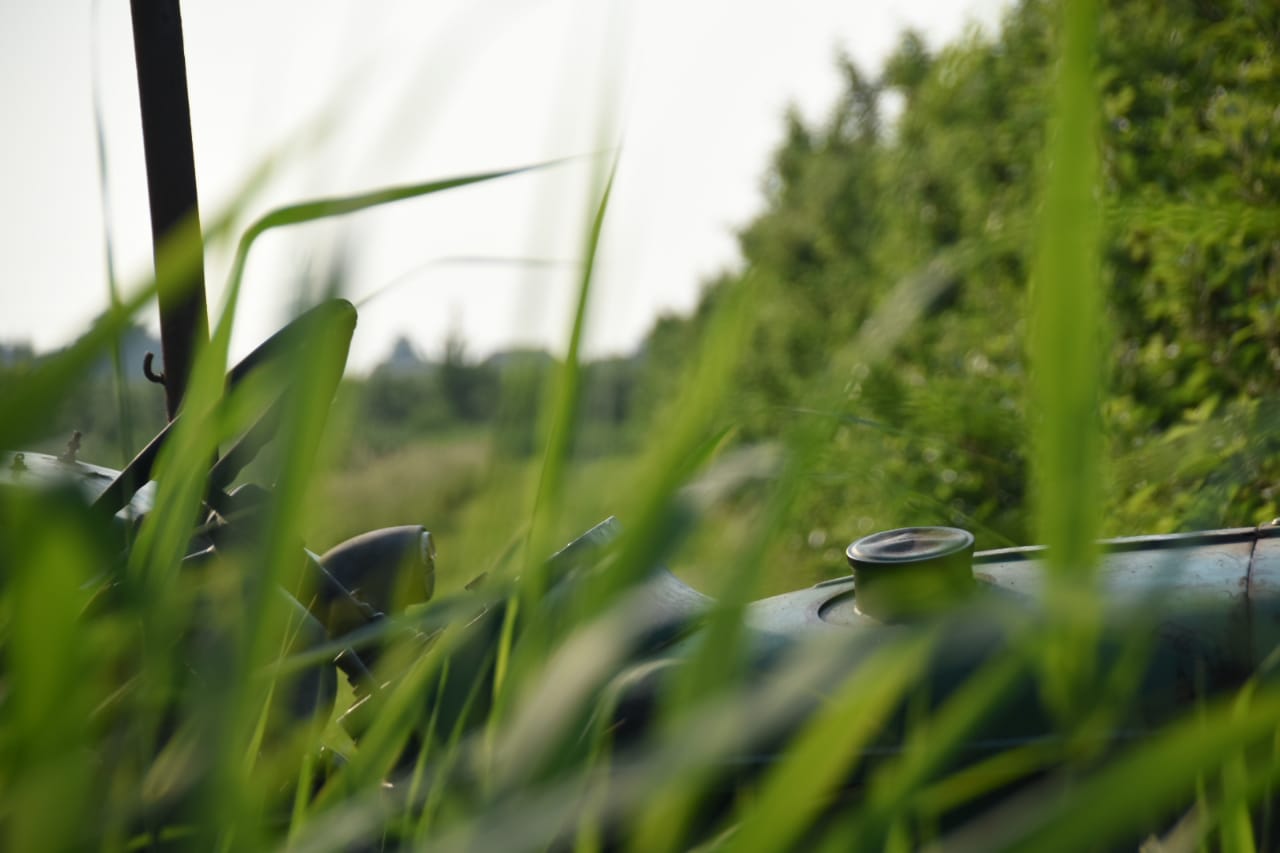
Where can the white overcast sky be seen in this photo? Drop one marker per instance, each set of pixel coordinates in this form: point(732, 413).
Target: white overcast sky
point(690, 93)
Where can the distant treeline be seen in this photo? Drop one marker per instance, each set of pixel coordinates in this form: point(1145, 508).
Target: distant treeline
point(407, 397)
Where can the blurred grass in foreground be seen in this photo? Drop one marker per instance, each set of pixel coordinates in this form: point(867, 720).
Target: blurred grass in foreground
point(146, 702)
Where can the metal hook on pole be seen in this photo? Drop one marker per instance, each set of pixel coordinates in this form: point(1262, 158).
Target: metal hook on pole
point(149, 371)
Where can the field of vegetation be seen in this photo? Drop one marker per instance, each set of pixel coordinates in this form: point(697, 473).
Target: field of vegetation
point(1025, 284)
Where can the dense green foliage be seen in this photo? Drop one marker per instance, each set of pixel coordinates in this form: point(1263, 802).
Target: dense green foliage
point(914, 197)
point(400, 402)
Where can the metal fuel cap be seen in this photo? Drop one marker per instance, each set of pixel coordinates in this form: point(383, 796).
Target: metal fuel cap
point(911, 572)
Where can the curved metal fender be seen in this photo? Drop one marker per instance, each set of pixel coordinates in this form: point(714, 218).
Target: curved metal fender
point(389, 568)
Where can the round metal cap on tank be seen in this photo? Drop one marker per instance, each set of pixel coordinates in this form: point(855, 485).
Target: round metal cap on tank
point(911, 572)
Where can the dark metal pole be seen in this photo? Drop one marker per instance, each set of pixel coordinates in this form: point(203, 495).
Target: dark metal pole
point(171, 183)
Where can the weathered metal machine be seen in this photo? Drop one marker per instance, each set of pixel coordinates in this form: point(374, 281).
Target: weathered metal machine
point(1207, 603)
point(1203, 609)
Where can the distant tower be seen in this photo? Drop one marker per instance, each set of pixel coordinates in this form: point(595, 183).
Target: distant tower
point(404, 358)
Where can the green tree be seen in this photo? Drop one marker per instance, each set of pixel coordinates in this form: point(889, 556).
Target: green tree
point(860, 211)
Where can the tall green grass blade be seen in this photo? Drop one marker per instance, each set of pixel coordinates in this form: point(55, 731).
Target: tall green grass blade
point(463, 261)
point(30, 398)
point(52, 677)
point(564, 414)
point(310, 211)
point(181, 468)
point(824, 753)
point(927, 750)
point(695, 429)
point(715, 661)
point(399, 711)
point(712, 735)
point(1066, 309)
point(534, 583)
point(305, 402)
point(1001, 771)
point(1125, 798)
point(125, 415)
point(1066, 350)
